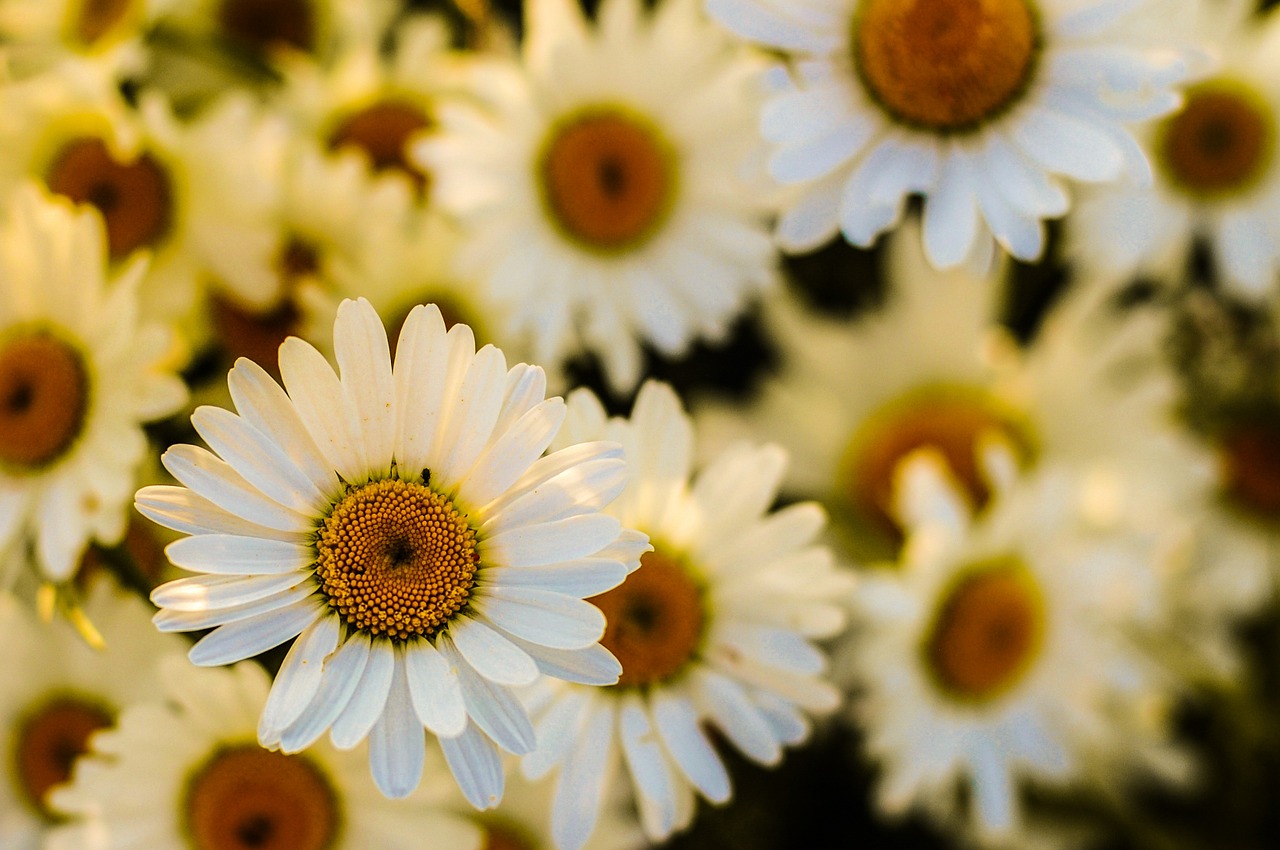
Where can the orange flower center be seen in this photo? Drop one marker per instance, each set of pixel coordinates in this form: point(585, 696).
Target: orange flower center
point(267, 24)
point(248, 798)
point(93, 19)
point(48, 744)
point(1249, 463)
point(396, 558)
point(383, 131)
point(987, 631)
point(607, 179)
point(945, 65)
point(654, 620)
point(1221, 141)
point(44, 397)
point(952, 420)
point(133, 197)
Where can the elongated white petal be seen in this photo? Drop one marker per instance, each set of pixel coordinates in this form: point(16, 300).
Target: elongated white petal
point(727, 704)
point(587, 487)
point(298, 680)
point(215, 480)
point(492, 707)
point(227, 554)
point(397, 745)
point(547, 619)
point(582, 578)
point(677, 724)
point(509, 456)
point(255, 635)
point(190, 513)
point(364, 361)
point(580, 789)
point(550, 543)
point(433, 685)
point(338, 680)
point(370, 697)
point(646, 761)
point(556, 731)
point(472, 416)
point(419, 385)
point(476, 766)
point(203, 593)
point(188, 621)
point(490, 654)
point(324, 408)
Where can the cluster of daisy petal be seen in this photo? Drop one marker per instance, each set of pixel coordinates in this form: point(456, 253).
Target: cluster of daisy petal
point(550, 424)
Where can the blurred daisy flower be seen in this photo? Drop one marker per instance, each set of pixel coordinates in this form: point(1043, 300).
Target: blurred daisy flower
point(1217, 176)
point(58, 692)
point(715, 627)
point(401, 524)
point(523, 821)
point(981, 107)
point(997, 653)
point(599, 186)
point(79, 375)
point(183, 769)
point(39, 34)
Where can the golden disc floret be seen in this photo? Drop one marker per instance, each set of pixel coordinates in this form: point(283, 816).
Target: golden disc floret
point(48, 743)
point(607, 179)
point(654, 620)
point(987, 631)
point(44, 399)
point(248, 798)
point(945, 65)
point(1221, 142)
point(395, 558)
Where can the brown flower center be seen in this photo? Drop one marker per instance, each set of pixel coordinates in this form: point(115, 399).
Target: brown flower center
point(607, 179)
point(987, 631)
point(134, 197)
point(248, 798)
point(258, 335)
point(950, 419)
point(945, 65)
point(48, 744)
point(396, 558)
point(506, 837)
point(264, 25)
point(44, 397)
point(383, 131)
point(1222, 140)
point(1249, 463)
point(92, 19)
point(654, 620)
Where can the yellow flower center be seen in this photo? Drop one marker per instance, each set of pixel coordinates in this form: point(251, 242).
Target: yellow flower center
point(396, 559)
point(91, 20)
point(607, 179)
point(134, 197)
point(945, 65)
point(1249, 464)
point(383, 130)
point(1221, 141)
point(654, 620)
point(44, 397)
point(248, 798)
point(49, 742)
point(987, 631)
point(951, 419)
point(267, 24)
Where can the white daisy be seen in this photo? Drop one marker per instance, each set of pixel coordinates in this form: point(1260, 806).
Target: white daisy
point(183, 770)
point(715, 627)
point(58, 691)
point(41, 33)
point(399, 523)
point(998, 654)
point(981, 106)
point(1217, 175)
point(79, 375)
point(599, 188)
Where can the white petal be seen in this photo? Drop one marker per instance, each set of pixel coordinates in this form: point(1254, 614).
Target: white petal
point(587, 487)
point(298, 680)
point(594, 665)
point(550, 542)
point(188, 621)
point(1067, 145)
point(476, 766)
point(215, 480)
point(433, 685)
point(370, 697)
point(951, 214)
point(421, 374)
point(190, 513)
point(580, 790)
point(227, 554)
point(727, 705)
point(397, 745)
point(203, 593)
point(364, 360)
point(511, 455)
point(490, 654)
point(582, 578)
point(557, 730)
point(338, 680)
point(646, 760)
point(324, 409)
point(547, 619)
point(688, 746)
point(493, 707)
point(255, 635)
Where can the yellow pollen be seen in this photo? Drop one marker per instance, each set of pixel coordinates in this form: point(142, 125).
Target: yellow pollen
point(988, 630)
point(396, 559)
point(383, 131)
point(1221, 141)
point(266, 25)
point(93, 19)
point(951, 419)
point(44, 397)
point(133, 197)
point(1249, 464)
point(248, 798)
point(607, 179)
point(654, 620)
point(48, 744)
point(945, 65)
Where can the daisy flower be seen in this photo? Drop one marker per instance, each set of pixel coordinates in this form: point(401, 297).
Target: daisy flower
point(58, 692)
point(997, 654)
point(714, 627)
point(984, 107)
point(599, 186)
point(41, 33)
point(1217, 176)
point(186, 771)
point(79, 375)
point(400, 523)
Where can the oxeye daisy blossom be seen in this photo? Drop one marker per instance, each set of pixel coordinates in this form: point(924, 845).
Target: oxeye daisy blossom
point(39, 34)
point(79, 375)
point(598, 183)
point(984, 107)
point(400, 523)
point(58, 691)
point(715, 628)
point(183, 769)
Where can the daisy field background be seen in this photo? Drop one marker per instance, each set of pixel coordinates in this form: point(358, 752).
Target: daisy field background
point(559, 424)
